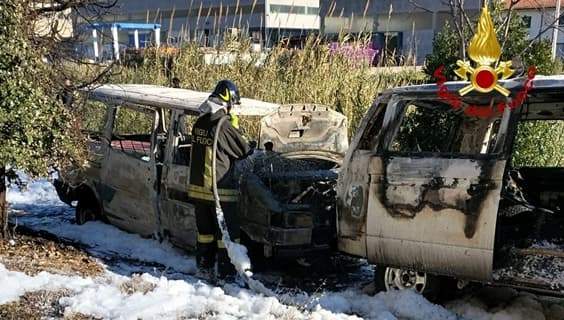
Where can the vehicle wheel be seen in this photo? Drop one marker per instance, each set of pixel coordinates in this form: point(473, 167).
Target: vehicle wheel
point(387, 279)
point(86, 210)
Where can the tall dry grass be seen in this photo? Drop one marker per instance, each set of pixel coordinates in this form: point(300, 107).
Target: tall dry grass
point(312, 74)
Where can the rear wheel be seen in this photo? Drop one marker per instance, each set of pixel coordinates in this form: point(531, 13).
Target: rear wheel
point(388, 279)
point(87, 209)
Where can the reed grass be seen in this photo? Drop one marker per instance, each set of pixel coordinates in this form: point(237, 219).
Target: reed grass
point(312, 74)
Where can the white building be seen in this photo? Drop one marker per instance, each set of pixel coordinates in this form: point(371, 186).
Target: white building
point(406, 27)
point(540, 17)
point(208, 20)
point(402, 26)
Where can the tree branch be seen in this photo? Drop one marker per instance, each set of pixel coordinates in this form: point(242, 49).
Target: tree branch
point(419, 6)
point(539, 35)
point(62, 5)
point(459, 28)
point(506, 24)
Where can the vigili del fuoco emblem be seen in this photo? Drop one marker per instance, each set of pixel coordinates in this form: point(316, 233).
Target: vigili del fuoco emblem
point(484, 51)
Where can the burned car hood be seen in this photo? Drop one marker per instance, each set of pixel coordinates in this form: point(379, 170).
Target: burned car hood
point(306, 130)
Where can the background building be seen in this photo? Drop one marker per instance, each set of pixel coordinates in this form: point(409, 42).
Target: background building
point(402, 27)
point(207, 21)
point(406, 27)
point(540, 17)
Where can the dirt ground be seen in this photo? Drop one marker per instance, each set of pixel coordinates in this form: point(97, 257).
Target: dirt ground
point(34, 254)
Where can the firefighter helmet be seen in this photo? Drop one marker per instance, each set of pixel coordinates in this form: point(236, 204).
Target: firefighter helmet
point(227, 91)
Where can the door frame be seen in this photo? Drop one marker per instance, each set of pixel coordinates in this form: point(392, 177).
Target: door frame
point(105, 187)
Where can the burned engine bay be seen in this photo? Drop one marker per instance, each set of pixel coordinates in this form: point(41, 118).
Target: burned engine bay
point(288, 202)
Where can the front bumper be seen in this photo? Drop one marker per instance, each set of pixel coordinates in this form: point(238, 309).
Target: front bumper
point(285, 230)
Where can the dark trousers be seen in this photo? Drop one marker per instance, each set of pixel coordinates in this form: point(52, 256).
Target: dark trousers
point(209, 243)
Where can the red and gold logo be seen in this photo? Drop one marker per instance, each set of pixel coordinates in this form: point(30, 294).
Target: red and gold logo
point(484, 50)
point(484, 72)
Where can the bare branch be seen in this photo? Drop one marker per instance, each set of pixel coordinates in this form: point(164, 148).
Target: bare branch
point(419, 6)
point(62, 5)
point(547, 28)
point(459, 29)
point(464, 16)
point(506, 23)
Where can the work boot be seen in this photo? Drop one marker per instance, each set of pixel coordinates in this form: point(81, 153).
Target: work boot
point(205, 256)
point(225, 268)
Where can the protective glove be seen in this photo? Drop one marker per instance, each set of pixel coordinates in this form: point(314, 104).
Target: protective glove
point(234, 119)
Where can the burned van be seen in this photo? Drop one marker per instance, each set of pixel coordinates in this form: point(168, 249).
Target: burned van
point(429, 189)
point(139, 144)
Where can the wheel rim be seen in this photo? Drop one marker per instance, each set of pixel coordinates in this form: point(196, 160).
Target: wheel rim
point(398, 279)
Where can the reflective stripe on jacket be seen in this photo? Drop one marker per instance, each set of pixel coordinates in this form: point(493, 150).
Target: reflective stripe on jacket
point(231, 146)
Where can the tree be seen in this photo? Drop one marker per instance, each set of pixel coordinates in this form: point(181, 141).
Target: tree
point(445, 53)
point(36, 130)
point(512, 34)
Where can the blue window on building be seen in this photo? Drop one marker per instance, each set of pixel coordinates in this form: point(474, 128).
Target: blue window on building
point(131, 40)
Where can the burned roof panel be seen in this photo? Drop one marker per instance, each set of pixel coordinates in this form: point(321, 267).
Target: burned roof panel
point(165, 97)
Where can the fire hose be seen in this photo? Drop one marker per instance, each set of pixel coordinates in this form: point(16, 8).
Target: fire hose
point(237, 253)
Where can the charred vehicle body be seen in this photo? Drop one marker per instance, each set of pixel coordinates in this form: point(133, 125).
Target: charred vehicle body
point(139, 156)
point(288, 198)
point(427, 191)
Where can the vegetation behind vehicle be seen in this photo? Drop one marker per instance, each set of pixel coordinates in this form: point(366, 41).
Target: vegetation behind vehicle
point(535, 138)
point(318, 74)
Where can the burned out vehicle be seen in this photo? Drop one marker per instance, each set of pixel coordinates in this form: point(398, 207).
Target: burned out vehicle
point(428, 191)
point(136, 177)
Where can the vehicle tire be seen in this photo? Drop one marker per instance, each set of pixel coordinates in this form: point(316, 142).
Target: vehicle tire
point(86, 210)
point(388, 278)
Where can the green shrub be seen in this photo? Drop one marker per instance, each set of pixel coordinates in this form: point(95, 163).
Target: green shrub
point(539, 144)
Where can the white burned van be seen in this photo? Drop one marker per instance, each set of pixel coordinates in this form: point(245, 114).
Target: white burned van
point(427, 191)
point(139, 156)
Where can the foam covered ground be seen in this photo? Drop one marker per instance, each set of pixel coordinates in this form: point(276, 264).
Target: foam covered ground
point(175, 292)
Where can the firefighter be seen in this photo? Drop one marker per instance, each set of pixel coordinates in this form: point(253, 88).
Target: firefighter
point(231, 146)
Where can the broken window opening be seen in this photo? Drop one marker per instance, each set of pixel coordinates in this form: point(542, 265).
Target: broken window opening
point(539, 143)
point(433, 127)
point(92, 117)
point(132, 132)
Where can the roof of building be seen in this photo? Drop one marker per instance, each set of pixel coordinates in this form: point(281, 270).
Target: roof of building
point(533, 4)
point(124, 25)
point(171, 98)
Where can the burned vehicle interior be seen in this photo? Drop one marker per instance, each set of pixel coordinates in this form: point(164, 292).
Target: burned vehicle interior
point(530, 231)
